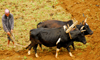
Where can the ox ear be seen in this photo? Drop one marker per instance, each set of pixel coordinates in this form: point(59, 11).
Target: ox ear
point(70, 28)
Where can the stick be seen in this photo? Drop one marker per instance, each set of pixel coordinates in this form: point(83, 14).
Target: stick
point(13, 38)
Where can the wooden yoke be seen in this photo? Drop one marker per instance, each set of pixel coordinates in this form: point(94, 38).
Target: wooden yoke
point(69, 29)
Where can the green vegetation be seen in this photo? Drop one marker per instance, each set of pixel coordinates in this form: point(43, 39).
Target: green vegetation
point(24, 58)
point(80, 45)
point(27, 14)
point(79, 53)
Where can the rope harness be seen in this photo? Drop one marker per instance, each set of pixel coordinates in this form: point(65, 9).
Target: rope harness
point(69, 32)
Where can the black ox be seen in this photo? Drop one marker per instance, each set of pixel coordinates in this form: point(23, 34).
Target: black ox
point(55, 37)
point(56, 24)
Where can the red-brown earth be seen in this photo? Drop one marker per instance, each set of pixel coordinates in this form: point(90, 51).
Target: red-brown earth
point(79, 9)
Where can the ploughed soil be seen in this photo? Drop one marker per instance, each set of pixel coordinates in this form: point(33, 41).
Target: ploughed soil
point(79, 9)
point(90, 9)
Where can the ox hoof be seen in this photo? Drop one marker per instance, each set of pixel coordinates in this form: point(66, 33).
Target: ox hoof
point(71, 54)
point(55, 56)
point(29, 53)
point(36, 55)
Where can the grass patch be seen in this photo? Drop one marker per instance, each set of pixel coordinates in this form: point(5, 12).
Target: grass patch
point(24, 58)
point(81, 45)
point(79, 54)
point(27, 14)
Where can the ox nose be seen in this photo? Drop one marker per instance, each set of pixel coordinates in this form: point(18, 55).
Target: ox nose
point(91, 33)
point(84, 42)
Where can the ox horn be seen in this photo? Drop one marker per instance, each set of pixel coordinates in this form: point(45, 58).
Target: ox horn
point(69, 29)
point(85, 20)
point(83, 30)
point(82, 27)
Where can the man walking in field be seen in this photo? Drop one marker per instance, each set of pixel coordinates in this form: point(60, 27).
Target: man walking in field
point(8, 25)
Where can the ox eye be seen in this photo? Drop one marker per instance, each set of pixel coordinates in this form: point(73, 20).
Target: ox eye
point(87, 26)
